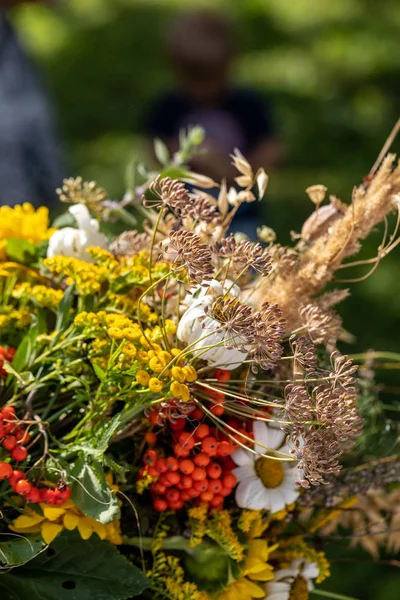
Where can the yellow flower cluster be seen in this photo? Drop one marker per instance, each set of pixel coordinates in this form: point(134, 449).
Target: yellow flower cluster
point(23, 222)
point(168, 574)
point(253, 523)
point(13, 317)
point(57, 518)
point(301, 549)
point(198, 524)
point(219, 529)
point(41, 295)
point(87, 278)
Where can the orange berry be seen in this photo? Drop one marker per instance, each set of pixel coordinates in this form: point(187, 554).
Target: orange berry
point(202, 431)
point(185, 496)
point(161, 465)
point(181, 452)
point(214, 470)
point(19, 453)
point(186, 466)
point(23, 487)
point(215, 486)
point(10, 442)
point(172, 463)
point(8, 412)
point(33, 496)
point(24, 437)
point(202, 459)
point(150, 457)
point(186, 482)
point(201, 486)
point(152, 471)
point(176, 505)
point(224, 449)
point(199, 474)
point(207, 496)
point(173, 477)
point(197, 414)
point(47, 496)
point(6, 470)
point(160, 504)
point(186, 440)
point(226, 491)
point(164, 480)
point(222, 374)
point(150, 438)
point(217, 501)
point(172, 495)
point(193, 492)
point(229, 480)
point(177, 425)
point(209, 445)
point(217, 410)
point(158, 488)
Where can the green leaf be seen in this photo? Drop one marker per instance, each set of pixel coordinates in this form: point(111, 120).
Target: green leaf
point(91, 493)
point(19, 550)
point(161, 151)
point(100, 373)
point(74, 569)
point(108, 429)
point(174, 173)
point(21, 251)
point(64, 310)
point(23, 353)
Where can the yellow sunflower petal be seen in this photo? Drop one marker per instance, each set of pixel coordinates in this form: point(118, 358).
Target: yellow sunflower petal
point(254, 590)
point(25, 521)
point(70, 520)
point(50, 531)
point(100, 529)
point(85, 528)
point(52, 513)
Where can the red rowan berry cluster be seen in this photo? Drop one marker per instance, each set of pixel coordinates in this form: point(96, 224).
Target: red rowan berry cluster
point(5, 354)
point(13, 436)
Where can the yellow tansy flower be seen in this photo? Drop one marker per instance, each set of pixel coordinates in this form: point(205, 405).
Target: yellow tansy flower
point(155, 385)
point(142, 377)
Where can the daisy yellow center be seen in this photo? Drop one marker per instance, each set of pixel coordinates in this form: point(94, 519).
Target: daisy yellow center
point(299, 589)
point(270, 472)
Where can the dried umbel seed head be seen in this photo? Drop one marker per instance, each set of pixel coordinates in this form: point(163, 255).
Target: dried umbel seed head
point(130, 243)
point(244, 255)
point(235, 317)
point(316, 193)
point(185, 249)
point(201, 209)
point(269, 327)
point(168, 193)
point(323, 327)
point(305, 353)
point(77, 191)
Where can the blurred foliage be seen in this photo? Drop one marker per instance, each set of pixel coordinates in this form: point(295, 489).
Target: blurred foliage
point(332, 73)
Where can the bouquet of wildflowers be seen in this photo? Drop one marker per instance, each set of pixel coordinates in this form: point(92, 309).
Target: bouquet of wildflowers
point(176, 419)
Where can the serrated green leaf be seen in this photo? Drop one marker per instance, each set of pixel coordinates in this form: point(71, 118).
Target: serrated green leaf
point(107, 431)
point(100, 373)
point(64, 309)
point(74, 569)
point(19, 550)
point(91, 493)
point(21, 251)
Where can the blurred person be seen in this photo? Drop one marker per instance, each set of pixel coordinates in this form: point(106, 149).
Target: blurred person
point(30, 168)
point(201, 48)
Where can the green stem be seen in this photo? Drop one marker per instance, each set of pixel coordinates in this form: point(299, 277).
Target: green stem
point(172, 543)
point(333, 595)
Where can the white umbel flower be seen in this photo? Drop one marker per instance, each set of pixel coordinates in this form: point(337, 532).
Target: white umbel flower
point(73, 242)
point(293, 582)
point(265, 483)
point(205, 335)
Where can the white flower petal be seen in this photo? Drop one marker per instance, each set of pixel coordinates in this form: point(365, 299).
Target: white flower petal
point(275, 500)
point(242, 457)
point(245, 471)
point(261, 436)
point(310, 570)
point(251, 493)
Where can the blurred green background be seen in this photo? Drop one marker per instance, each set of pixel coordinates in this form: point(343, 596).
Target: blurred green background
point(332, 73)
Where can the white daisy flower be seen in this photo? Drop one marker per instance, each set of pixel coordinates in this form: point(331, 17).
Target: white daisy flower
point(73, 242)
point(293, 582)
point(265, 483)
point(204, 334)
